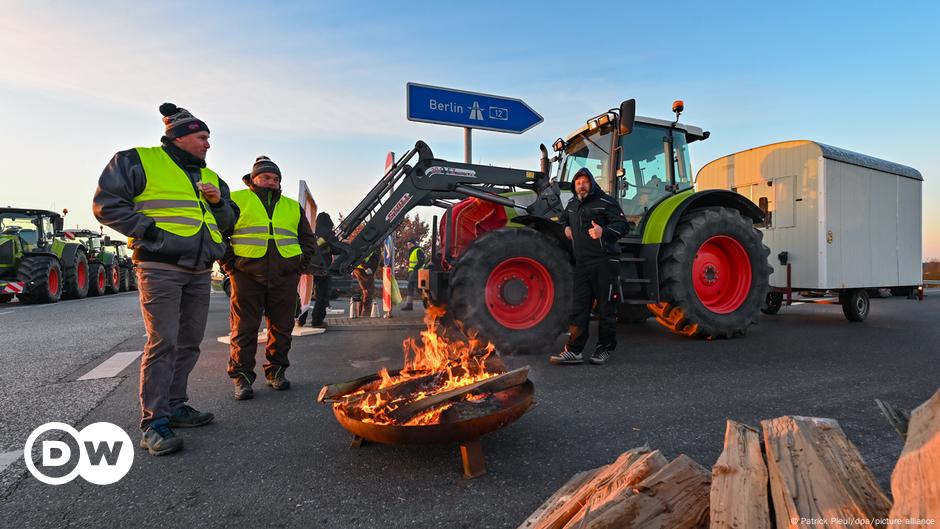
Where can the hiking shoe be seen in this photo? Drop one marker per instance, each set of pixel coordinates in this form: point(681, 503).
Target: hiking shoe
point(566, 357)
point(279, 383)
point(159, 439)
point(243, 389)
point(600, 356)
point(188, 417)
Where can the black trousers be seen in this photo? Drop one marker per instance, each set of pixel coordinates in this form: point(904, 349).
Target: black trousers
point(251, 301)
point(321, 295)
point(594, 283)
point(412, 283)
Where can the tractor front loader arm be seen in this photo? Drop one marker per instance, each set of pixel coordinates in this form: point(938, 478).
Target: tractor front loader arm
point(419, 179)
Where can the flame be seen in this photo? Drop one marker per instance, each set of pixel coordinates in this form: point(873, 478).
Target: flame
point(442, 363)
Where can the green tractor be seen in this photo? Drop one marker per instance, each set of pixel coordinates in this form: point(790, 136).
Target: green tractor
point(127, 273)
point(502, 266)
point(35, 266)
point(104, 268)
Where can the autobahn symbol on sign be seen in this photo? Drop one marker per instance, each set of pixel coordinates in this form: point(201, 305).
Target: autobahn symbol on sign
point(460, 108)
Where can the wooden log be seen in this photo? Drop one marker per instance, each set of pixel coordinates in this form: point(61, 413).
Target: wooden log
point(898, 417)
point(581, 497)
point(675, 497)
point(609, 496)
point(817, 477)
point(739, 482)
point(915, 482)
point(490, 385)
point(559, 497)
point(400, 389)
point(330, 392)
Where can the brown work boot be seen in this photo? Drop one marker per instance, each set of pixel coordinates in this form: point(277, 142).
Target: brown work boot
point(243, 389)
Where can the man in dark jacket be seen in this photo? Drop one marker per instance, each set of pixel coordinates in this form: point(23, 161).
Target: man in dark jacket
point(364, 274)
point(173, 209)
point(270, 245)
point(321, 279)
point(593, 222)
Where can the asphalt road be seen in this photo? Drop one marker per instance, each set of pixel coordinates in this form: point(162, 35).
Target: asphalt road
point(281, 460)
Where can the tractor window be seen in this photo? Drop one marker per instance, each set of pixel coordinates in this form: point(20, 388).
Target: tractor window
point(644, 166)
point(590, 150)
point(20, 225)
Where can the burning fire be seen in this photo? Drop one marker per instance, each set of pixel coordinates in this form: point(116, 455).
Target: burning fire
point(433, 364)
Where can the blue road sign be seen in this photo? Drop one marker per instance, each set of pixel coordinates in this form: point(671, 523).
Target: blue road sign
point(459, 108)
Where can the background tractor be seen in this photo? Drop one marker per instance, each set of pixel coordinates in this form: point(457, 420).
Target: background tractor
point(127, 279)
point(104, 271)
point(35, 266)
point(503, 268)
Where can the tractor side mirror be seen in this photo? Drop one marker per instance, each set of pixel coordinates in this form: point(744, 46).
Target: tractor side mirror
point(627, 116)
point(107, 240)
point(58, 224)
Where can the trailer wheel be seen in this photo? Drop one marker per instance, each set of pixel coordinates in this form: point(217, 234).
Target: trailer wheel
point(773, 303)
point(97, 280)
point(513, 287)
point(855, 304)
point(713, 275)
point(77, 279)
point(42, 276)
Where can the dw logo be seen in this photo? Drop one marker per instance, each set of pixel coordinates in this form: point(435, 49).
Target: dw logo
point(105, 453)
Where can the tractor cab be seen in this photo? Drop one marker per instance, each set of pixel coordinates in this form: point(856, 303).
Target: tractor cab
point(33, 229)
point(639, 161)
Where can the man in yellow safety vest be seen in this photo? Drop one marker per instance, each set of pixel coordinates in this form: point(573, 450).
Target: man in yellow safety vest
point(173, 210)
point(416, 261)
point(270, 245)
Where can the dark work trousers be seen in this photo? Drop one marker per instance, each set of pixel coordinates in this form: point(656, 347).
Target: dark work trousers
point(412, 283)
point(252, 300)
point(321, 294)
point(367, 286)
point(175, 306)
point(593, 283)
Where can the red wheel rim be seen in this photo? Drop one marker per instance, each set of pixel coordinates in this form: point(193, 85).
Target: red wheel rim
point(519, 293)
point(53, 282)
point(100, 279)
point(115, 277)
point(721, 274)
point(82, 274)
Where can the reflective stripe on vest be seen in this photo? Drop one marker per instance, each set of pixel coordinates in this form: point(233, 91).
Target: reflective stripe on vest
point(254, 228)
point(170, 198)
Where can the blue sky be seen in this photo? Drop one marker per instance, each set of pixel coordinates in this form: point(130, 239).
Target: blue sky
point(320, 86)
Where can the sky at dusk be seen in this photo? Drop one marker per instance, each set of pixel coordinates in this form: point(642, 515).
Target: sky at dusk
point(320, 86)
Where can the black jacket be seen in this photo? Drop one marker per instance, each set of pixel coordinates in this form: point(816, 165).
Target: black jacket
point(113, 206)
point(601, 208)
point(272, 267)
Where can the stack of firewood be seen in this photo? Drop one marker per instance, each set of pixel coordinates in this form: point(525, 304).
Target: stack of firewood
point(802, 472)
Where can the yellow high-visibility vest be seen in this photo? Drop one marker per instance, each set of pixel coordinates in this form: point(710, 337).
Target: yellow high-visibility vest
point(254, 228)
point(413, 259)
point(170, 199)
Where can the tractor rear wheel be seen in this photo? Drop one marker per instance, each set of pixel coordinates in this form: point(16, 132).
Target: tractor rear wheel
point(113, 284)
point(42, 278)
point(713, 275)
point(124, 282)
point(513, 287)
point(97, 279)
point(77, 279)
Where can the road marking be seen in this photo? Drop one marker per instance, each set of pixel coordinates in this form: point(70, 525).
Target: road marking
point(8, 458)
point(112, 366)
point(6, 312)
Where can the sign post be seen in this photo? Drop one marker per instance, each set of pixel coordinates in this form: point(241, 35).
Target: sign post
point(469, 110)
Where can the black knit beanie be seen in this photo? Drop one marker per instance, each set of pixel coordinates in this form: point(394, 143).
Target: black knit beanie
point(179, 122)
point(263, 164)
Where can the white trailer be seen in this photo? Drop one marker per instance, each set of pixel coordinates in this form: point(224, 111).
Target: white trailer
point(836, 220)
